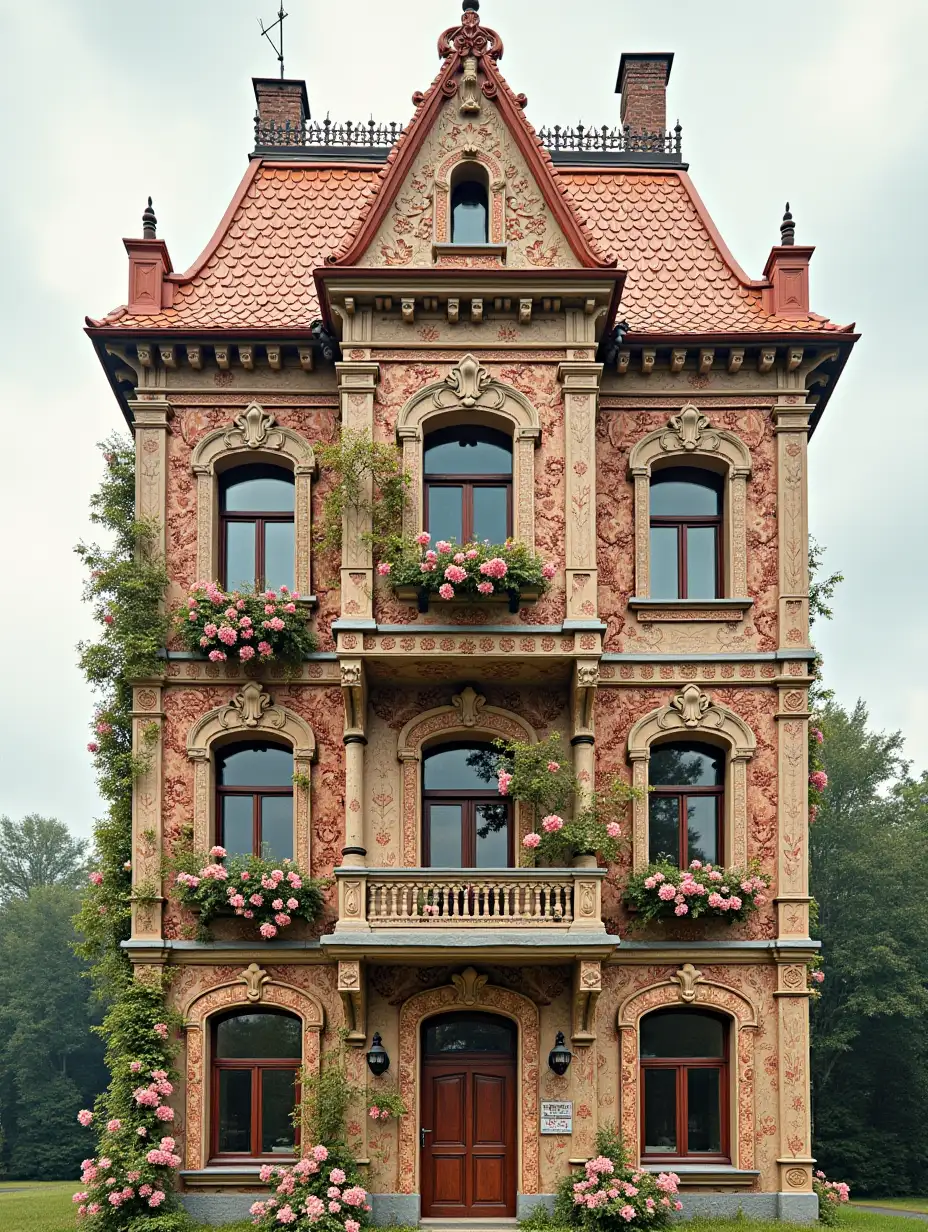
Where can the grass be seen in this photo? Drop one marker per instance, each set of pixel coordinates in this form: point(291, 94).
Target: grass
point(43, 1206)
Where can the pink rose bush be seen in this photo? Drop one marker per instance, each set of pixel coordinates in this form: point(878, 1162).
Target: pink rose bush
point(831, 1197)
point(242, 626)
point(250, 887)
point(450, 571)
point(132, 1172)
point(610, 1193)
point(321, 1191)
point(663, 891)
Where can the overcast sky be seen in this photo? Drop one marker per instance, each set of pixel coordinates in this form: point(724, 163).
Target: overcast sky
point(105, 102)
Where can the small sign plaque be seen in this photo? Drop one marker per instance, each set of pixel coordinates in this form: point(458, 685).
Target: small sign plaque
point(557, 1118)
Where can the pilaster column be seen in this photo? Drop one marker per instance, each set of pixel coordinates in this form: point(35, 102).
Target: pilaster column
point(582, 734)
point(640, 760)
point(792, 720)
point(642, 481)
point(795, 1159)
point(580, 380)
point(792, 433)
point(354, 695)
point(152, 417)
point(357, 382)
point(147, 724)
point(411, 441)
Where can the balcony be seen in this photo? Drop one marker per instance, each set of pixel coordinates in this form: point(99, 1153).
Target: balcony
point(561, 904)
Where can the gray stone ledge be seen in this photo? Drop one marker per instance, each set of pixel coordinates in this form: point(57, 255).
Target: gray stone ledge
point(219, 1208)
point(789, 1207)
point(471, 938)
point(760, 656)
point(402, 1209)
point(527, 1204)
point(773, 946)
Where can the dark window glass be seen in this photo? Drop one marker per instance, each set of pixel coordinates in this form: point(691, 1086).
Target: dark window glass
point(468, 1033)
point(684, 1072)
point(263, 1035)
point(463, 450)
point(682, 1033)
point(466, 824)
point(254, 800)
point(686, 825)
point(469, 213)
point(277, 1101)
point(703, 1120)
point(255, 1063)
point(468, 479)
point(257, 765)
point(660, 1111)
point(686, 527)
point(256, 527)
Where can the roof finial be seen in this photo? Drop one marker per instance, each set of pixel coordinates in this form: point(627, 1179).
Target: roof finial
point(473, 5)
point(787, 228)
point(149, 222)
point(268, 33)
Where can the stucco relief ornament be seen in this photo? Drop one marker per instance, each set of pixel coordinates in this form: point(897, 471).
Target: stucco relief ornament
point(249, 707)
point(468, 385)
point(469, 985)
point(468, 704)
point(253, 429)
point(688, 977)
point(688, 431)
point(470, 103)
point(254, 978)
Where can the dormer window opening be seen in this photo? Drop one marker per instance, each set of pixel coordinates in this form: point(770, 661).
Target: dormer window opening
point(469, 207)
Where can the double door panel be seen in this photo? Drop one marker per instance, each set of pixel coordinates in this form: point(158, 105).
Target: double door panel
point(468, 1147)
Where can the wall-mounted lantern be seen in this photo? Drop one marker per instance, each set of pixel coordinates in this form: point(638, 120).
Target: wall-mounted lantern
point(560, 1056)
point(378, 1061)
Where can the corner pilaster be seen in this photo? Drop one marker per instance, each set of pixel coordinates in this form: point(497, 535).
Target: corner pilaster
point(357, 382)
point(792, 719)
point(580, 380)
point(791, 425)
point(795, 1161)
point(152, 418)
point(147, 730)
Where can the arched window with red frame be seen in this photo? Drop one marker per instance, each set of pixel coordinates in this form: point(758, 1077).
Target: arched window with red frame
point(256, 544)
point(686, 534)
point(256, 1058)
point(254, 799)
point(686, 803)
point(466, 823)
point(468, 484)
point(684, 1087)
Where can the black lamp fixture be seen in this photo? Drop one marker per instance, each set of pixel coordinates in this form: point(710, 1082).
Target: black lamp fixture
point(560, 1056)
point(378, 1060)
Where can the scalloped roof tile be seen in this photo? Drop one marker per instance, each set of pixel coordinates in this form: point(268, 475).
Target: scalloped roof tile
point(257, 274)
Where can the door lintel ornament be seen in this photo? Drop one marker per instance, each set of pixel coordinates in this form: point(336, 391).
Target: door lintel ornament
point(469, 985)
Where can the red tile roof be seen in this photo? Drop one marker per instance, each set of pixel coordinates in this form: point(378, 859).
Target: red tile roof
point(287, 218)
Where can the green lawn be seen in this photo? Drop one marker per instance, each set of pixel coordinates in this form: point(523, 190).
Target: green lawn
point(34, 1206)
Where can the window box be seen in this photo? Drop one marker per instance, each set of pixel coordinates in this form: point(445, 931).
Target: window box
point(422, 597)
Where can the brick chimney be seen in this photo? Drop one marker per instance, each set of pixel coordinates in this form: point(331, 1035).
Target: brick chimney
point(282, 104)
point(642, 82)
point(149, 261)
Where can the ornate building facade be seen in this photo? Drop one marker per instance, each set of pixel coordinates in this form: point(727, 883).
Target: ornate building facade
point(635, 408)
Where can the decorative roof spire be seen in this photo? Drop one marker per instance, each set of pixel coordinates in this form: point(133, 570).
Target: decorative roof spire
point(149, 222)
point(470, 38)
point(787, 228)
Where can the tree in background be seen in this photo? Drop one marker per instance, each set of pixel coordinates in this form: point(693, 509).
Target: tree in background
point(51, 1064)
point(38, 851)
point(869, 853)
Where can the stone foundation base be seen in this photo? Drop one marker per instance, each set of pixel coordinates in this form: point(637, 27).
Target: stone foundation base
point(403, 1209)
point(790, 1207)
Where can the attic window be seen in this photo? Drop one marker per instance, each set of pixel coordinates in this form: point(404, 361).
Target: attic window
point(469, 206)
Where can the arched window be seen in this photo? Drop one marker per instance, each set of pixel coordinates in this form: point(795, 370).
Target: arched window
point(465, 822)
point(254, 800)
point(256, 527)
point(469, 207)
point(256, 1057)
point(684, 1083)
point(686, 534)
point(468, 484)
point(685, 803)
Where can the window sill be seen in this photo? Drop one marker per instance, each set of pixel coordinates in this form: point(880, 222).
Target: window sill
point(423, 598)
point(232, 1176)
point(691, 609)
point(717, 1175)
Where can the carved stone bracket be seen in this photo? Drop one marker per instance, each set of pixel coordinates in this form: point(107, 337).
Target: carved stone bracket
point(587, 985)
point(468, 703)
point(354, 696)
point(254, 978)
point(352, 990)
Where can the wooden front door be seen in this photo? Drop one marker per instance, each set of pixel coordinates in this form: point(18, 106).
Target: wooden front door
point(467, 1136)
